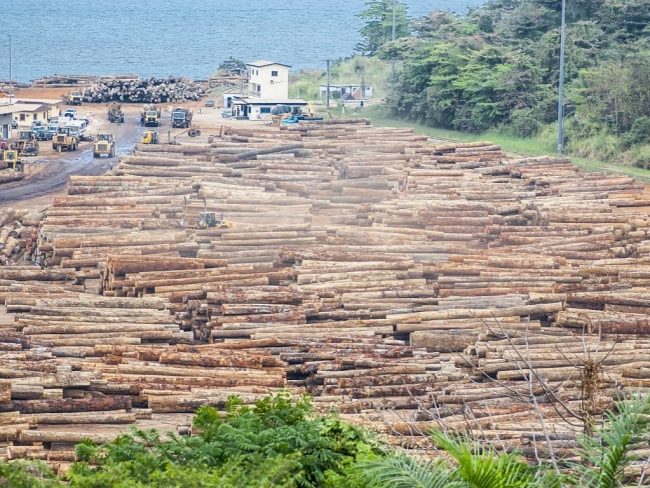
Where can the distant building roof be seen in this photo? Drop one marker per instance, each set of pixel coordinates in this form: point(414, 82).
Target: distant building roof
point(262, 62)
point(270, 101)
point(6, 109)
point(39, 101)
point(28, 107)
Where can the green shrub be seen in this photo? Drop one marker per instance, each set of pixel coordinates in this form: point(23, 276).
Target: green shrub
point(638, 156)
point(276, 442)
point(523, 123)
point(639, 133)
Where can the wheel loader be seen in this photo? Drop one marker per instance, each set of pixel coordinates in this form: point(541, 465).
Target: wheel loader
point(150, 137)
point(64, 140)
point(104, 146)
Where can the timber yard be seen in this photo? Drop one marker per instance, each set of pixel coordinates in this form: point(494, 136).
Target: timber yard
point(402, 281)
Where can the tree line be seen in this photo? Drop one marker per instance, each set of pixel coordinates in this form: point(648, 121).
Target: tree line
point(497, 67)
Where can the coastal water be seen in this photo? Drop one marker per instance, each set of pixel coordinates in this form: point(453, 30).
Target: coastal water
point(179, 37)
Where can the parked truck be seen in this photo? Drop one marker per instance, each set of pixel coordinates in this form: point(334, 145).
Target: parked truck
point(115, 113)
point(150, 116)
point(74, 97)
point(181, 118)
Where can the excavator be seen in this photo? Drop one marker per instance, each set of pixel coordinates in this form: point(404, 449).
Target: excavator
point(9, 159)
point(150, 137)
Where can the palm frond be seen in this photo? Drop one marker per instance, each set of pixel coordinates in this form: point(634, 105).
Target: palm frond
point(482, 467)
point(607, 453)
point(405, 472)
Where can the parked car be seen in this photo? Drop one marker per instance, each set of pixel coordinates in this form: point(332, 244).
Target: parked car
point(226, 114)
point(209, 103)
point(40, 133)
point(70, 113)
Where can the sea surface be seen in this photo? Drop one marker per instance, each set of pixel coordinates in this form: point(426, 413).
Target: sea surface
point(179, 37)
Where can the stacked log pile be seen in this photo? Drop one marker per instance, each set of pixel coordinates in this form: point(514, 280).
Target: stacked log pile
point(407, 283)
point(150, 90)
point(18, 235)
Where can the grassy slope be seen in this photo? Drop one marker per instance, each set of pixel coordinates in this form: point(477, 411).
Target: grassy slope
point(516, 145)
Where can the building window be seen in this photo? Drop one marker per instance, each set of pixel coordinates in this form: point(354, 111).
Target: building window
point(265, 110)
point(22, 117)
point(35, 116)
point(259, 88)
point(274, 73)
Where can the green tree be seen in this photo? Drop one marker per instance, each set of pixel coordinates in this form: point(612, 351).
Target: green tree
point(233, 66)
point(378, 24)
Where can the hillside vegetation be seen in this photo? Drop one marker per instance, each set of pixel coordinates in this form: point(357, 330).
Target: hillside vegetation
point(497, 67)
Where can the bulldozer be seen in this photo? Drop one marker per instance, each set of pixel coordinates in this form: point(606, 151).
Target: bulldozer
point(65, 140)
point(10, 159)
point(74, 98)
point(115, 113)
point(150, 137)
point(104, 146)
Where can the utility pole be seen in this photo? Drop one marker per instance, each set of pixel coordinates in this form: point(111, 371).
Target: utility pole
point(11, 84)
point(393, 38)
point(560, 97)
point(328, 84)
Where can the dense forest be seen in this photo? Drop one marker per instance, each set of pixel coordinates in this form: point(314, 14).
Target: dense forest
point(497, 66)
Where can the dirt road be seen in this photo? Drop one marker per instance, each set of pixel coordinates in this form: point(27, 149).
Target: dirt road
point(52, 173)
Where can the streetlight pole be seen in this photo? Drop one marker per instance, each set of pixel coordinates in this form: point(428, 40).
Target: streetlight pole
point(11, 84)
point(394, 35)
point(560, 97)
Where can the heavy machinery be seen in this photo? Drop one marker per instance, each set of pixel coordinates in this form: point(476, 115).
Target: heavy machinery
point(10, 159)
point(64, 140)
point(150, 137)
point(115, 113)
point(206, 219)
point(104, 146)
point(181, 118)
point(74, 97)
point(26, 145)
point(150, 116)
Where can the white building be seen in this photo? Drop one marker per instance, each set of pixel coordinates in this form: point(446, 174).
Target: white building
point(268, 80)
point(28, 110)
point(6, 116)
point(257, 109)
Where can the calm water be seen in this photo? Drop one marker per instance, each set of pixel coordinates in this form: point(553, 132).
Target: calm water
point(188, 37)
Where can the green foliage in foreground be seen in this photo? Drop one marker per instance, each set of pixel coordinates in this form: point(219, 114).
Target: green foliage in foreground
point(280, 443)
